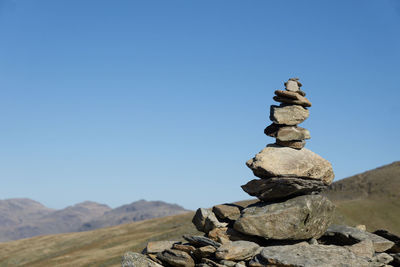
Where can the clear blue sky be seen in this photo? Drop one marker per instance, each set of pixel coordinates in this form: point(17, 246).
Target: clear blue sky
point(114, 101)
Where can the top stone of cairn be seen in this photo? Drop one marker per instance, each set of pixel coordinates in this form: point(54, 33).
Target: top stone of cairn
point(293, 85)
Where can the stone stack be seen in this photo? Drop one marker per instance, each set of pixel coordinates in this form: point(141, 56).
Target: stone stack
point(289, 225)
point(291, 177)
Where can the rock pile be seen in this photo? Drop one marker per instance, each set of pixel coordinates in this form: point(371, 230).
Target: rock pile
point(290, 225)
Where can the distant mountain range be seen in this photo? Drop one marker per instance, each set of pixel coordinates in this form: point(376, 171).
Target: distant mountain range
point(22, 218)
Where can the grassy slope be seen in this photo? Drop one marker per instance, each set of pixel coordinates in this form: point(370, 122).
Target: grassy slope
point(371, 198)
point(102, 247)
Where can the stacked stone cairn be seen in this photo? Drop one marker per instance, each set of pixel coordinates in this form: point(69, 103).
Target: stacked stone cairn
point(290, 225)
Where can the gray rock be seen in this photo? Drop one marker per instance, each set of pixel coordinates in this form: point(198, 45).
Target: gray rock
point(237, 251)
point(275, 188)
point(305, 255)
point(288, 114)
point(201, 241)
point(227, 212)
point(205, 220)
point(292, 86)
point(159, 246)
point(133, 259)
point(287, 133)
point(313, 241)
point(292, 144)
point(176, 258)
point(204, 252)
point(277, 161)
point(299, 218)
point(351, 234)
point(227, 263)
point(381, 259)
point(364, 249)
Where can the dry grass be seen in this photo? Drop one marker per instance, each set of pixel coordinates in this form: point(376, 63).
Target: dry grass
point(102, 247)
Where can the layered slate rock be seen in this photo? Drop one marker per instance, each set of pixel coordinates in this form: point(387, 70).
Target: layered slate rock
point(277, 188)
point(306, 255)
point(299, 218)
point(277, 161)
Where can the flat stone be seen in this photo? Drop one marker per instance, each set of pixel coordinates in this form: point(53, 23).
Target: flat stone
point(292, 86)
point(298, 97)
point(184, 247)
point(363, 248)
point(159, 246)
point(288, 114)
point(176, 258)
point(201, 241)
point(278, 161)
point(276, 188)
point(227, 212)
point(227, 234)
point(292, 144)
point(289, 94)
point(304, 102)
point(237, 251)
point(305, 255)
point(204, 252)
point(299, 218)
point(392, 237)
point(287, 133)
point(133, 259)
point(205, 220)
point(344, 233)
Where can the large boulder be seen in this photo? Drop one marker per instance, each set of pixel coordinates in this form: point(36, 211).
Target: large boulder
point(299, 218)
point(278, 161)
point(288, 114)
point(306, 255)
point(282, 187)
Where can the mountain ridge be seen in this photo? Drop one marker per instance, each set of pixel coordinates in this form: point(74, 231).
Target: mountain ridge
point(24, 218)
